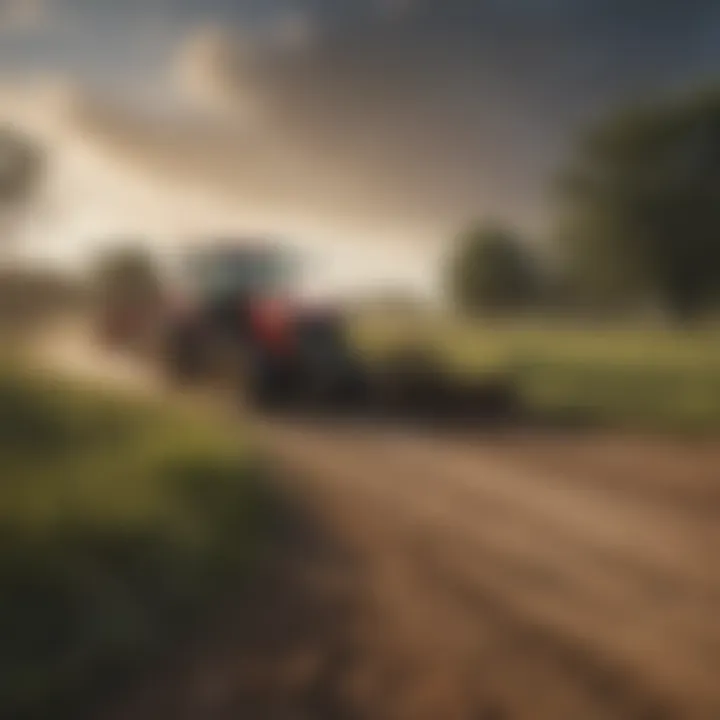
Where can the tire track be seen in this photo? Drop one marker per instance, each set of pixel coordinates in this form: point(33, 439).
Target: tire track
point(540, 555)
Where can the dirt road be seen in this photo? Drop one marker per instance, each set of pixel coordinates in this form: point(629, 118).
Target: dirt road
point(473, 576)
point(530, 577)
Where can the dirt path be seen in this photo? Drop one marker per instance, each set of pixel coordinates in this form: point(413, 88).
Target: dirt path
point(531, 584)
point(495, 578)
point(453, 577)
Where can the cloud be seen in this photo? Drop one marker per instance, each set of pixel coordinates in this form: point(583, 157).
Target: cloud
point(396, 8)
point(21, 15)
point(207, 70)
point(403, 129)
point(371, 125)
point(295, 30)
point(222, 70)
point(458, 110)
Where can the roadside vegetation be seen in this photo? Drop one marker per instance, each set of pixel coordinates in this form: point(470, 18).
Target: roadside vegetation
point(121, 522)
point(32, 300)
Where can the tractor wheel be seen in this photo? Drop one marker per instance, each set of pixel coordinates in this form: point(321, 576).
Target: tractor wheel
point(264, 383)
point(352, 391)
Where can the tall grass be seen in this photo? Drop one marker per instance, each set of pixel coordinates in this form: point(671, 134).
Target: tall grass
point(120, 522)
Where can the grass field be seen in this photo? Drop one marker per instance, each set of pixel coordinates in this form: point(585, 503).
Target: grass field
point(642, 378)
point(120, 521)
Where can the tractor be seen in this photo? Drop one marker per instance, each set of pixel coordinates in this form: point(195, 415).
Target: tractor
point(231, 310)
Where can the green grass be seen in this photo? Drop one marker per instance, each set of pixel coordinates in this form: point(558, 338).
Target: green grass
point(630, 377)
point(121, 522)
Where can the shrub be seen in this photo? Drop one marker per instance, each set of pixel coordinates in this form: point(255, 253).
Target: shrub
point(119, 523)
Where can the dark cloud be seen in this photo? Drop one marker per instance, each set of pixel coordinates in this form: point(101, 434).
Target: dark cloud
point(466, 105)
point(422, 112)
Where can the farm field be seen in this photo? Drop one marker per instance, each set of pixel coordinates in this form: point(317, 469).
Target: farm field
point(619, 376)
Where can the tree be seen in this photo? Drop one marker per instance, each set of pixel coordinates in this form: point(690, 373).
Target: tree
point(640, 213)
point(22, 165)
point(491, 271)
point(127, 275)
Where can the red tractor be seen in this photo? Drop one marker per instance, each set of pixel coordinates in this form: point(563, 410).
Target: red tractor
point(230, 309)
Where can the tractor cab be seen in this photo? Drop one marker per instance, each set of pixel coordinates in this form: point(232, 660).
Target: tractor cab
point(239, 301)
point(238, 269)
point(222, 284)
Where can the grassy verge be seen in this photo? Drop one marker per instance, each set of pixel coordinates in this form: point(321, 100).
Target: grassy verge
point(120, 523)
point(639, 378)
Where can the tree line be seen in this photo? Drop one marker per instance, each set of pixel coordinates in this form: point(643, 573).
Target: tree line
point(637, 224)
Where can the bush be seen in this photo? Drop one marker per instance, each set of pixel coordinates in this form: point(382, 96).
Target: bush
point(492, 271)
point(119, 523)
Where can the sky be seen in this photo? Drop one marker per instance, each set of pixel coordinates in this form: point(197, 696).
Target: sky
point(366, 124)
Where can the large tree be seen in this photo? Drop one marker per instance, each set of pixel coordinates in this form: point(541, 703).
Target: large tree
point(641, 206)
point(491, 271)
